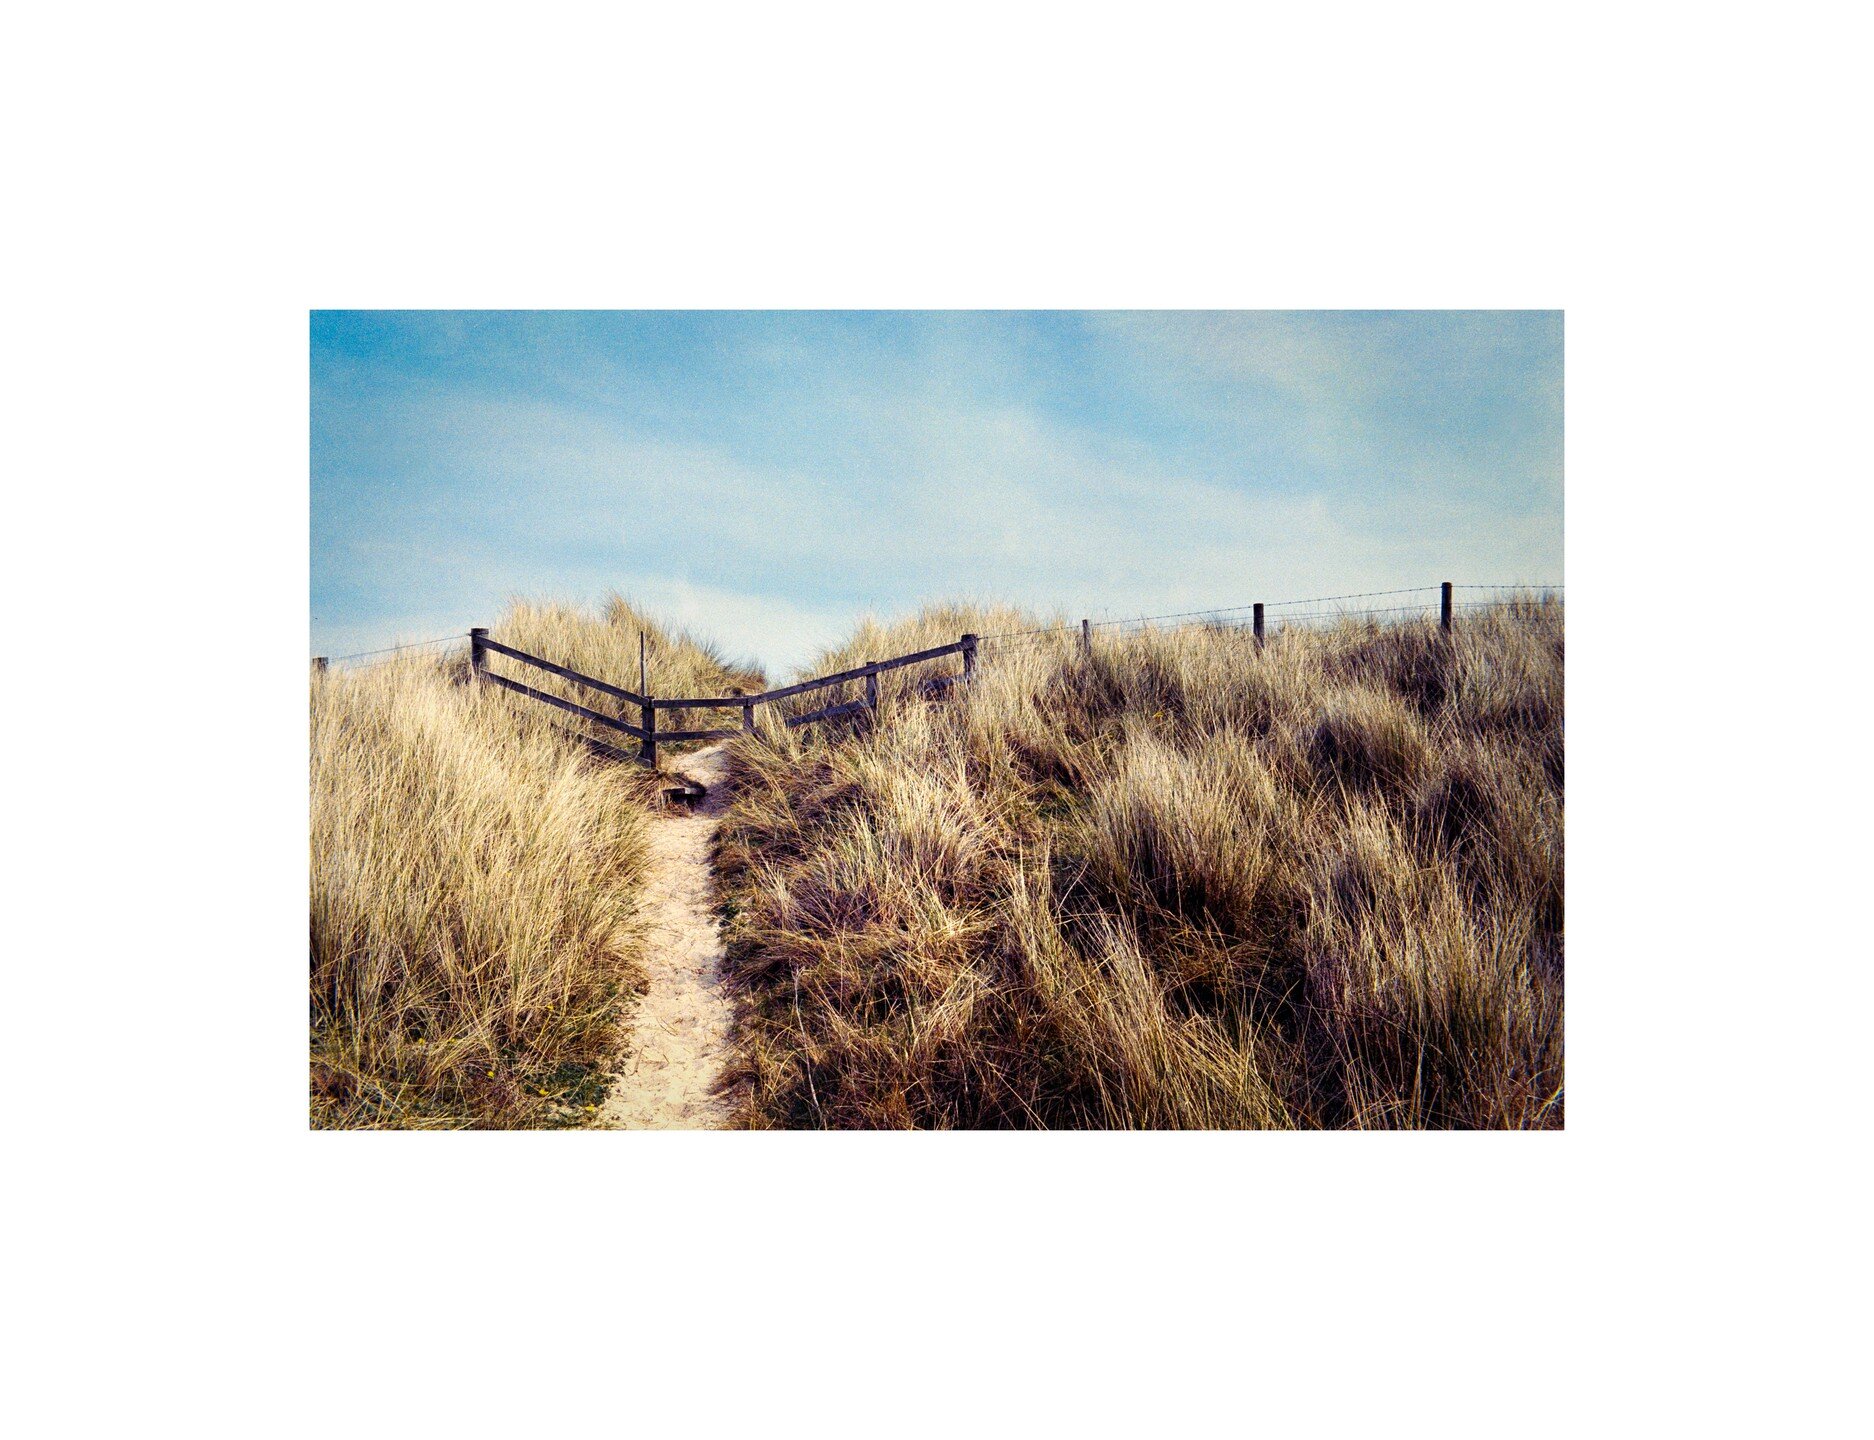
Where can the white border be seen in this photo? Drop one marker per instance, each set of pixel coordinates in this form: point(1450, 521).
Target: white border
point(194, 179)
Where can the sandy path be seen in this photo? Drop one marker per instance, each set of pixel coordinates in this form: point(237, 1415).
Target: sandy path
point(680, 1033)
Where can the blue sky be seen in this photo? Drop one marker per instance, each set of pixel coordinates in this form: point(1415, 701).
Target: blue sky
point(768, 477)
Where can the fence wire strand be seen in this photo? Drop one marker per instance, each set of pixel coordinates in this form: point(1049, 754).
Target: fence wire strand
point(1356, 595)
point(389, 649)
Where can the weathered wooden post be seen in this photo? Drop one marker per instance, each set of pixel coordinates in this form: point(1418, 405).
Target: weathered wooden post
point(647, 747)
point(969, 656)
point(748, 713)
point(1444, 608)
point(1258, 622)
point(1086, 638)
point(871, 689)
point(647, 713)
point(478, 650)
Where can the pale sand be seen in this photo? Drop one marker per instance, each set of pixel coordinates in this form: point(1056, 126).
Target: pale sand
point(680, 1032)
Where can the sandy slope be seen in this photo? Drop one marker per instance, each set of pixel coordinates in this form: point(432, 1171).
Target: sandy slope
point(680, 1033)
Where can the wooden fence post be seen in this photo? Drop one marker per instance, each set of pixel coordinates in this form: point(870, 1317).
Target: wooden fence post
point(871, 689)
point(969, 656)
point(647, 747)
point(1086, 638)
point(1259, 622)
point(1444, 608)
point(478, 650)
point(748, 713)
point(318, 664)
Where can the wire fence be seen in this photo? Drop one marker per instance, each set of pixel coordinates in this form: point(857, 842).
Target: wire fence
point(1279, 614)
point(1276, 615)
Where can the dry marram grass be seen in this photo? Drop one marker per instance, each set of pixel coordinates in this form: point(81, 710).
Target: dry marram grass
point(474, 930)
point(1181, 882)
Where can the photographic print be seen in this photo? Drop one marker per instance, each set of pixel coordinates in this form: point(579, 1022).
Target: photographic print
point(937, 720)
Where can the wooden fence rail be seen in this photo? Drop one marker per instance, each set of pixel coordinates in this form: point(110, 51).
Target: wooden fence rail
point(646, 732)
point(478, 654)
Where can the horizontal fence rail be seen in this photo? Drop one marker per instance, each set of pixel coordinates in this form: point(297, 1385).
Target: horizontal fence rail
point(1255, 616)
point(636, 731)
point(630, 697)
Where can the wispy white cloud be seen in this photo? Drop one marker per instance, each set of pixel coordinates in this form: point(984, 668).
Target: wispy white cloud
point(1171, 462)
point(770, 629)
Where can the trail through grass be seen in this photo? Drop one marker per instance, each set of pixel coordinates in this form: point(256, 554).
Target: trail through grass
point(680, 1043)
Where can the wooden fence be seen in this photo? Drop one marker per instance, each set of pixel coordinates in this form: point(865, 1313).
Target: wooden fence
point(646, 733)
